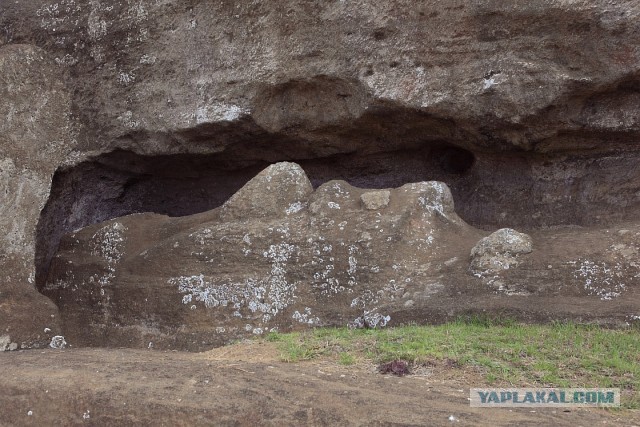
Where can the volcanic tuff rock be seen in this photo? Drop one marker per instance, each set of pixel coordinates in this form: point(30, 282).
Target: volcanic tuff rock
point(317, 258)
point(36, 135)
point(527, 110)
point(154, 76)
point(499, 251)
point(275, 255)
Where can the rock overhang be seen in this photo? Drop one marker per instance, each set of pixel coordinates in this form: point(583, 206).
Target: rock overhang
point(534, 125)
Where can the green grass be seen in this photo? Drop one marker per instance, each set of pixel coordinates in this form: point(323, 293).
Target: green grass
point(505, 352)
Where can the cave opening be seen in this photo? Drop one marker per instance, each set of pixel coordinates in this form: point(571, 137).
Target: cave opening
point(454, 160)
point(490, 189)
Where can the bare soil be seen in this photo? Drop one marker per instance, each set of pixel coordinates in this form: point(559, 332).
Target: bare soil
point(246, 385)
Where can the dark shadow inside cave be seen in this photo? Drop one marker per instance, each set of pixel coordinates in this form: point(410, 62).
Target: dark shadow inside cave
point(122, 183)
point(453, 160)
point(491, 190)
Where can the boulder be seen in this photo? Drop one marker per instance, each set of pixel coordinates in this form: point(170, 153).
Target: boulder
point(493, 256)
point(499, 251)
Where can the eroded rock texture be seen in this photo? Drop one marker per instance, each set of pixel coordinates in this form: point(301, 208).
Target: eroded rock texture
point(279, 256)
point(35, 137)
point(274, 255)
point(527, 111)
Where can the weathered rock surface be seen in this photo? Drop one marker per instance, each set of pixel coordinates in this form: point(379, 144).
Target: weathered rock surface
point(375, 199)
point(543, 95)
point(543, 73)
point(528, 111)
point(253, 265)
point(313, 259)
point(499, 251)
point(35, 137)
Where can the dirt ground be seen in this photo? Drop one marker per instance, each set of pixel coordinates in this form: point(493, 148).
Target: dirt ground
point(246, 385)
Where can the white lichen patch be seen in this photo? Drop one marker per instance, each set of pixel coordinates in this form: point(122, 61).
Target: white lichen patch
point(218, 113)
point(367, 298)
point(487, 83)
point(126, 78)
point(605, 281)
point(246, 240)
point(632, 319)
point(370, 319)
point(306, 317)
point(96, 26)
point(55, 15)
point(138, 12)
point(435, 203)
point(107, 243)
point(58, 342)
point(353, 266)
point(284, 230)
point(6, 344)
point(267, 296)
point(294, 208)
point(66, 61)
point(203, 236)
point(148, 59)
point(325, 279)
point(394, 289)
point(127, 120)
point(339, 191)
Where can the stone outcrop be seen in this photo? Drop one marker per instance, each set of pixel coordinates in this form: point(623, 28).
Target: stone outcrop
point(274, 256)
point(527, 111)
point(154, 77)
point(279, 256)
point(499, 251)
point(36, 135)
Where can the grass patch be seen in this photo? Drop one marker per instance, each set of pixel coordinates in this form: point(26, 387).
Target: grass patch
point(347, 359)
point(506, 352)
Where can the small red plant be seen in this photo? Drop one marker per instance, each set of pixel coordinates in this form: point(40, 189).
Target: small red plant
point(395, 367)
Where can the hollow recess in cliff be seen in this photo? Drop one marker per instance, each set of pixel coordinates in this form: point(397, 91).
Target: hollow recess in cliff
point(490, 190)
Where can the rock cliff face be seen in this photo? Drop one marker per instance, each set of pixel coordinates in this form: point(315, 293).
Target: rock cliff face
point(528, 111)
point(280, 256)
point(36, 135)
